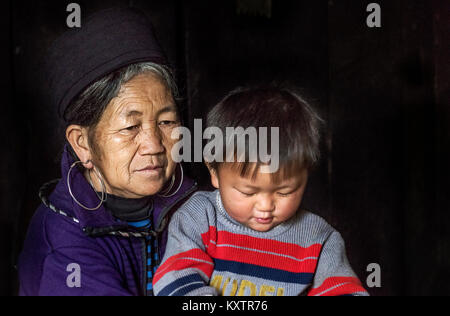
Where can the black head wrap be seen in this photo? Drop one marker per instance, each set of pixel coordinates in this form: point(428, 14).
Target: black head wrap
point(105, 42)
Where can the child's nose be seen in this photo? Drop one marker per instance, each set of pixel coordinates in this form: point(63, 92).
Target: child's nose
point(265, 204)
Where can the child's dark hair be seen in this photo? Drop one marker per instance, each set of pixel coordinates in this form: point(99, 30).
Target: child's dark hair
point(271, 106)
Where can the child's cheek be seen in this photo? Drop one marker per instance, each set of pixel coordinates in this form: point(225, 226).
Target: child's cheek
point(241, 208)
point(290, 205)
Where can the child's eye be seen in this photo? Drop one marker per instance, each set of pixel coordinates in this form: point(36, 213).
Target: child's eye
point(245, 193)
point(284, 194)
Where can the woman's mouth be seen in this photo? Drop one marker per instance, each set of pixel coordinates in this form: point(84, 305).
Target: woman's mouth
point(150, 170)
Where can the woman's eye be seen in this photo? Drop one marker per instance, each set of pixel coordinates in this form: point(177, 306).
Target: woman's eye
point(167, 123)
point(129, 129)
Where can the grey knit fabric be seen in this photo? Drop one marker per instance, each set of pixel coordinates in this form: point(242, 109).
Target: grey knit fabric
point(209, 253)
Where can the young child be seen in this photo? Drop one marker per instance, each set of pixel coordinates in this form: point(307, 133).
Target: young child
point(249, 237)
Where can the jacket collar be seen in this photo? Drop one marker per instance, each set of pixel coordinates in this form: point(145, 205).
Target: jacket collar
point(100, 221)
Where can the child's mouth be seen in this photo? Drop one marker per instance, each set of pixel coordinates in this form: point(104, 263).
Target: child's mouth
point(264, 221)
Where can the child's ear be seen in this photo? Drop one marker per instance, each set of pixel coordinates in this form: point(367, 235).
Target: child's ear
point(214, 176)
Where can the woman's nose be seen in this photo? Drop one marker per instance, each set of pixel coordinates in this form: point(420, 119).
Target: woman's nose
point(151, 142)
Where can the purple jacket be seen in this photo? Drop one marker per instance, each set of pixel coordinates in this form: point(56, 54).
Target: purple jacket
point(109, 255)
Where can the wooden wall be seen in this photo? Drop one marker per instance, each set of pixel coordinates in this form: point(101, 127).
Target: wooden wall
point(383, 181)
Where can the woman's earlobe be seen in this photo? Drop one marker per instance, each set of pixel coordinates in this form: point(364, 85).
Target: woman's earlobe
point(76, 135)
point(88, 164)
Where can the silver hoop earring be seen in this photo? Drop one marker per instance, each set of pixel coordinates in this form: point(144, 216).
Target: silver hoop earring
point(102, 199)
point(173, 181)
point(102, 183)
point(162, 193)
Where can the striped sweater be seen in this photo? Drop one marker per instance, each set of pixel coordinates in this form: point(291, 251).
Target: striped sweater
point(209, 253)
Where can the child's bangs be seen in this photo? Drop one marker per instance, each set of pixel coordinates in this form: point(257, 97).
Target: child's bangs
point(287, 170)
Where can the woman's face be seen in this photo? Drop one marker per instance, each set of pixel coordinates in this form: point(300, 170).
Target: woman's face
point(133, 138)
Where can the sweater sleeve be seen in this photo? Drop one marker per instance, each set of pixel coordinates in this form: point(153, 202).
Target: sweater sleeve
point(334, 276)
point(186, 268)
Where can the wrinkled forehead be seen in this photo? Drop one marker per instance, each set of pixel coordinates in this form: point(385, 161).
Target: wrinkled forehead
point(143, 96)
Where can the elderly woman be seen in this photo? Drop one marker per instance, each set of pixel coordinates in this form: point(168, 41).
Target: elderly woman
point(100, 229)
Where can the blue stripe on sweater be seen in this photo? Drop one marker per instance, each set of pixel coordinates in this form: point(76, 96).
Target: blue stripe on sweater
point(263, 272)
point(193, 279)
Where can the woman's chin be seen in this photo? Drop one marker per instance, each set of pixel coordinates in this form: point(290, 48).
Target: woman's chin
point(147, 190)
point(142, 185)
point(150, 186)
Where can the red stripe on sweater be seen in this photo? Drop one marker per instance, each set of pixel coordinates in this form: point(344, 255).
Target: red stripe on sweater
point(336, 286)
point(262, 252)
point(262, 244)
point(186, 260)
point(209, 236)
point(265, 260)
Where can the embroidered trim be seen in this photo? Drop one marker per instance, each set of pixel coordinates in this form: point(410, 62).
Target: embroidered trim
point(89, 230)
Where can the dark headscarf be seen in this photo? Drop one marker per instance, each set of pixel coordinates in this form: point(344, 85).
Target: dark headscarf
point(105, 42)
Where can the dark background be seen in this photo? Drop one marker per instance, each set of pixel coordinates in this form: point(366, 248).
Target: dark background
point(384, 92)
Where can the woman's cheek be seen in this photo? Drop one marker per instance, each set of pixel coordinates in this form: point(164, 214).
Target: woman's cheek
point(168, 144)
point(117, 151)
point(123, 141)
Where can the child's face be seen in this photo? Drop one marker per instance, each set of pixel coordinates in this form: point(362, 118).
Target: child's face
point(259, 204)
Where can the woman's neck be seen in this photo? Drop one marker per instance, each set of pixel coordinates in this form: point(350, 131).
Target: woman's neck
point(130, 210)
point(124, 208)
